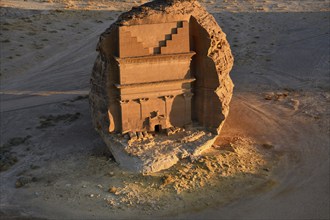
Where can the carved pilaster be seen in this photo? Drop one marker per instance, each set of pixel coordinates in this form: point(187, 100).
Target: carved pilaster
point(124, 114)
point(141, 101)
point(168, 103)
point(187, 97)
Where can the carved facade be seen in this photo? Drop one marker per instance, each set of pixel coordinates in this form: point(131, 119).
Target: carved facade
point(152, 90)
point(161, 65)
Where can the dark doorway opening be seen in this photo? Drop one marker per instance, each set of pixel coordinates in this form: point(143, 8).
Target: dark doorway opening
point(158, 128)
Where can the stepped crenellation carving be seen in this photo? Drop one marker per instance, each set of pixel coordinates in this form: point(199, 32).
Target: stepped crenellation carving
point(174, 40)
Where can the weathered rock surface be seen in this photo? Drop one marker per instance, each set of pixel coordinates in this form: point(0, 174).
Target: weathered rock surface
point(212, 89)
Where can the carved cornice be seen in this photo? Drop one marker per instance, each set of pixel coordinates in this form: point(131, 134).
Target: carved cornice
point(163, 97)
point(155, 58)
point(159, 83)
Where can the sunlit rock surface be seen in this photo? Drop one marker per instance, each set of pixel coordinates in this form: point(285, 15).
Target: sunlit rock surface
point(160, 87)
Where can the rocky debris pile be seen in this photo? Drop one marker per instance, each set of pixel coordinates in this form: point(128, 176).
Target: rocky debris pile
point(234, 165)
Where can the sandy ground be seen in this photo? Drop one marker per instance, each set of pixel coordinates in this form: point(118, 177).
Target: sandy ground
point(271, 160)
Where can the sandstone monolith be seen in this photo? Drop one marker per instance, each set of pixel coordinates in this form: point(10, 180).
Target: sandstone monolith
point(160, 87)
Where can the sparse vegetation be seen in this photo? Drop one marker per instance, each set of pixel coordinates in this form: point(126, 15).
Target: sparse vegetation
point(31, 33)
point(22, 181)
point(7, 157)
point(51, 120)
point(81, 97)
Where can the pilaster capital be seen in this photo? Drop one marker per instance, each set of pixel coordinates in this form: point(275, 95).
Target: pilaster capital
point(166, 97)
point(188, 95)
point(140, 100)
point(121, 102)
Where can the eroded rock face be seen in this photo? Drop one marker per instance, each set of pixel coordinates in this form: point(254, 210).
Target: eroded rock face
point(161, 66)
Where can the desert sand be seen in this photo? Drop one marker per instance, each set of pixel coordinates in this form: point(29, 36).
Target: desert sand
point(271, 160)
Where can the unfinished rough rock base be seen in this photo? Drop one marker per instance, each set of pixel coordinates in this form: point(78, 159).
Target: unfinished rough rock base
point(161, 77)
point(160, 152)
